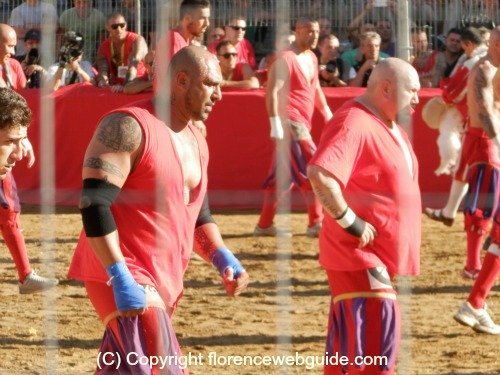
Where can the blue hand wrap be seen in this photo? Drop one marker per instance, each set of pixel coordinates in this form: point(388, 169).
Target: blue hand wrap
point(223, 258)
point(128, 294)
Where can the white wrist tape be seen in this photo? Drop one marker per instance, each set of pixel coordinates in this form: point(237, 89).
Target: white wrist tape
point(347, 219)
point(328, 113)
point(276, 127)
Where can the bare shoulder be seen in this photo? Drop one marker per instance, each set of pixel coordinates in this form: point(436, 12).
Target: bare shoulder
point(119, 132)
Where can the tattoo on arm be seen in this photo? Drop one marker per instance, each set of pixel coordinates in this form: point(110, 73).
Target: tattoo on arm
point(485, 114)
point(330, 196)
point(98, 163)
point(120, 133)
point(204, 247)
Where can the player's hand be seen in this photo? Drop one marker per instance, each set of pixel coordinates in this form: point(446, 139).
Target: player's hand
point(130, 297)
point(116, 88)
point(28, 152)
point(369, 234)
point(234, 286)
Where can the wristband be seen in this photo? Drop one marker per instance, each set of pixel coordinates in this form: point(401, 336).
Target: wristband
point(351, 223)
point(276, 127)
point(328, 113)
point(128, 294)
point(223, 258)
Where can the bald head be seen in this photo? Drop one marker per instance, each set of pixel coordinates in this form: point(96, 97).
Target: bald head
point(191, 60)
point(6, 31)
point(195, 79)
point(393, 70)
point(8, 41)
point(393, 89)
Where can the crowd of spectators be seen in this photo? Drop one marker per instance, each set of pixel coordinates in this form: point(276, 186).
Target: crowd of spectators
point(114, 48)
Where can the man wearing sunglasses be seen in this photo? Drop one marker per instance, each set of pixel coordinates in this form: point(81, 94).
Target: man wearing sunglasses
point(237, 75)
point(235, 33)
point(119, 58)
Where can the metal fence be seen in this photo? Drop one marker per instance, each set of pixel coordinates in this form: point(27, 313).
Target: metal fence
point(262, 15)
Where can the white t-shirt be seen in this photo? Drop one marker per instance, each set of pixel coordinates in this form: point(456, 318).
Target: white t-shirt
point(67, 74)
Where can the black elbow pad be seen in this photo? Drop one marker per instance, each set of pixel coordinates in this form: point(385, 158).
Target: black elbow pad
point(95, 207)
point(205, 216)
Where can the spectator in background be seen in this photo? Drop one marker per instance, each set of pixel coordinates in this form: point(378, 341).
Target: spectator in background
point(238, 75)
point(332, 70)
point(485, 35)
point(148, 10)
point(145, 83)
point(31, 62)
point(264, 66)
point(325, 27)
point(215, 35)
point(119, 58)
point(423, 58)
point(31, 14)
point(351, 57)
point(87, 21)
point(235, 33)
point(70, 68)
point(422, 12)
point(384, 29)
point(447, 59)
point(370, 56)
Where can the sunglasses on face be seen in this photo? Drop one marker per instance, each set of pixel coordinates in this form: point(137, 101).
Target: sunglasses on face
point(228, 55)
point(237, 28)
point(118, 25)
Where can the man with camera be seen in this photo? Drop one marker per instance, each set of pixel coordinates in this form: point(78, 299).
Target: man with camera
point(70, 67)
point(333, 72)
point(30, 60)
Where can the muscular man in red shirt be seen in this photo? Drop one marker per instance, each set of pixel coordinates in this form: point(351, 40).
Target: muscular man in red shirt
point(293, 90)
point(143, 202)
point(366, 176)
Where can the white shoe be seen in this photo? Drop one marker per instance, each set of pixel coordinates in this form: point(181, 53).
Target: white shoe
point(313, 232)
point(478, 319)
point(35, 283)
point(271, 231)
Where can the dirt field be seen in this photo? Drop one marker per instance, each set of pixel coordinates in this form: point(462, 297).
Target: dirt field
point(59, 333)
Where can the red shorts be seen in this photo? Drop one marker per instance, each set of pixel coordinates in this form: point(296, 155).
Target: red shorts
point(363, 325)
point(477, 148)
point(128, 340)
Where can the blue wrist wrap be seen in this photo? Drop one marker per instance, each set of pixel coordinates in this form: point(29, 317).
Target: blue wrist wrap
point(223, 258)
point(128, 294)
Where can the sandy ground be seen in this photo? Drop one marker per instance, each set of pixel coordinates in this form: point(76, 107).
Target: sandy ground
point(284, 310)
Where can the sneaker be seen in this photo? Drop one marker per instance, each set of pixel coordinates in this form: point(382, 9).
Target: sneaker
point(35, 283)
point(271, 231)
point(437, 215)
point(478, 319)
point(472, 274)
point(313, 232)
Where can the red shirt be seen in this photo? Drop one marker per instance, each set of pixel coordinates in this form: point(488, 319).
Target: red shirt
point(105, 50)
point(369, 164)
point(300, 100)
point(156, 238)
point(17, 77)
point(244, 51)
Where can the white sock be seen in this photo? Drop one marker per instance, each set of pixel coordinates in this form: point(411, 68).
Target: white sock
point(457, 193)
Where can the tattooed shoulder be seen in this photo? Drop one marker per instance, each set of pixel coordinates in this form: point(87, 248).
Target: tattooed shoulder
point(120, 132)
